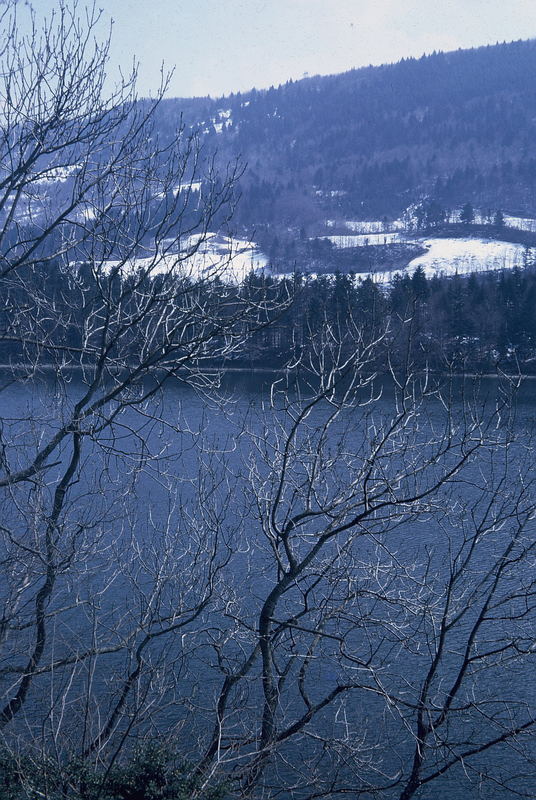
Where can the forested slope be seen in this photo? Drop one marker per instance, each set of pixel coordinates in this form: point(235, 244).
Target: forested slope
point(455, 126)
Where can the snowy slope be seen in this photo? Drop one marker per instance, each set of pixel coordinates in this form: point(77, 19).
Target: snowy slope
point(448, 256)
point(368, 226)
point(230, 260)
point(381, 226)
point(462, 256)
point(444, 256)
point(363, 239)
point(521, 223)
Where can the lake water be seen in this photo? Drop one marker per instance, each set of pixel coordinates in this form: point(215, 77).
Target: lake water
point(167, 515)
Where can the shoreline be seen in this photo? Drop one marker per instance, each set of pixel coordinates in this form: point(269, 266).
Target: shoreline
point(275, 370)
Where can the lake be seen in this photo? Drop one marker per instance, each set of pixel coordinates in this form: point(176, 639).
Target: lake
point(177, 529)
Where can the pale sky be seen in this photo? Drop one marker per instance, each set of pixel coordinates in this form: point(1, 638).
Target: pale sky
point(220, 46)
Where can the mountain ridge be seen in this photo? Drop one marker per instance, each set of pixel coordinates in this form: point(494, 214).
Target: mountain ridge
point(451, 126)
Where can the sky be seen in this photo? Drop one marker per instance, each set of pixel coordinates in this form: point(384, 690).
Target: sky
point(221, 46)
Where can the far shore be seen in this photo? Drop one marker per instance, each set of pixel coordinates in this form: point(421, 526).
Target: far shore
point(275, 371)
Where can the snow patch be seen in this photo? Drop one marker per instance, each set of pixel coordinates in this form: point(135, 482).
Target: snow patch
point(510, 221)
point(448, 256)
point(368, 226)
point(217, 256)
point(331, 193)
point(57, 174)
point(465, 255)
point(521, 223)
point(363, 239)
point(188, 186)
point(192, 186)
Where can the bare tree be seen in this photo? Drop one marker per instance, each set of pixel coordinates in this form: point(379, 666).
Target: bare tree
point(385, 639)
point(108, 292)
point(337, 599)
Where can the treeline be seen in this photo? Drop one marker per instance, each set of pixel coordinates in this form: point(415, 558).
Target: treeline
point(466, 323)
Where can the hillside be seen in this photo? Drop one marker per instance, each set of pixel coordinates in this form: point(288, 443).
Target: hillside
point(453, 127)
point(359, 172)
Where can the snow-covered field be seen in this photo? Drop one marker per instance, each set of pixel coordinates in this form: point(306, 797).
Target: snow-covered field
point(462, 256)
point(521, 223)
point(444, 256)
point(362, 239)
point(448, 256)
point(375, 226)
point(230, 260)
point(510, 221)
point(368, 226)
point(380, 226)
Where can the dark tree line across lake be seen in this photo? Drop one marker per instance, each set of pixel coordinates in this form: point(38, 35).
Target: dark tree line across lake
point(475, 322)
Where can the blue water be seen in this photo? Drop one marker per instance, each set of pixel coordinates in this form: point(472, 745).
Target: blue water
point(133, 519)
